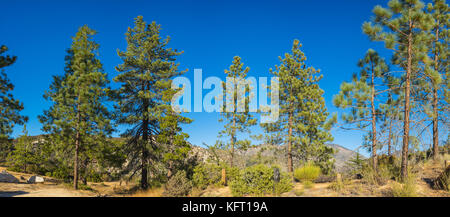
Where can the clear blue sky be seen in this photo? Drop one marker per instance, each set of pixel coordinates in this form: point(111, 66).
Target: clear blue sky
point(209, 32)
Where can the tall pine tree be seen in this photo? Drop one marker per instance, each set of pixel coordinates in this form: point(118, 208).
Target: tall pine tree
point(236, 121)
point(144, 97)
point(302, 125)
point(400, 27)
point(78, 121)
point(361, 97)
point(436, 69)
point(9, 107)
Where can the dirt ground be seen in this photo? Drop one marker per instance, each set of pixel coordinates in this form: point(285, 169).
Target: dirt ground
point(47, 189)
point(53, 188)
point(351, 188)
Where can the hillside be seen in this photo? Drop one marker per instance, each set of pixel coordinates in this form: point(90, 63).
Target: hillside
point(271, 154)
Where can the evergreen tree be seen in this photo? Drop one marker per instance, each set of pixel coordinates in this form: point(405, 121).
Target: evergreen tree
point(25, 154)
point(400, 27)
point(78, 121)
point(437, 67)
point(302, 124)
point(236, 121)
point(175, 148)
point(9, 107)
point(361, 97)
point(145, 95)
point(390, 114)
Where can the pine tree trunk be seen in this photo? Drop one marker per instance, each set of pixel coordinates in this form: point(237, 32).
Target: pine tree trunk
point(77, 147)
point(144, 156)
point(290, 164)
point(233, 141)
point(374, 128)
point(435, 106)
point(404, 164)
point(390, 138)
point(435, 126)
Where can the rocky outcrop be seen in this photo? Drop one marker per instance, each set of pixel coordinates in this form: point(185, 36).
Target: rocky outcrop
point(35, 179)
point(6, 177)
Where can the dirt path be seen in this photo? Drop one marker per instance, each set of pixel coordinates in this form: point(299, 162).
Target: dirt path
point(40, 190)
point(23, 189)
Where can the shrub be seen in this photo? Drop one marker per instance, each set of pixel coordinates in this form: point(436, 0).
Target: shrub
point(405, 189)
point(206, 174)
point(299, 192)
point(373, 177)
point(178, 185)
point(211, 174)
point(337, 186)
point(258, 180)
point(308, 184)
point(307, 173)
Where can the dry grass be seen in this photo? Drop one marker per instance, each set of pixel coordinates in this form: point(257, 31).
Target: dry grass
point(153, 192)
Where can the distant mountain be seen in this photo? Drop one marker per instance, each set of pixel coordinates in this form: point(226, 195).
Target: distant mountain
point(270, 154)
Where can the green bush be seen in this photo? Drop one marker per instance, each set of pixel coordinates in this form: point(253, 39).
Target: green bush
point(206, 174)
point(211, 174)
point(307, 173)
point(258, 180)
point(178, 185)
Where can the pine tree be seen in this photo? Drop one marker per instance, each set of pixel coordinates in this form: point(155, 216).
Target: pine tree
point(9, 107)
point(400, 27)
point(438, 66)
point(25, 154)
point(390, 114)
point(361, 96)
point(174, 148)
point(302, 125)
point(145, 94)
point(236, 121)
point(78, 121)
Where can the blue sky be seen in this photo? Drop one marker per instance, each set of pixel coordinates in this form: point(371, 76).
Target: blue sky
point(209, 32)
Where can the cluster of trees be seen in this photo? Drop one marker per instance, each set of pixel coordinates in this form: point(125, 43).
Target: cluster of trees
point(403, 97)
point(385, 99)
point(303, 126)
point(80, 121)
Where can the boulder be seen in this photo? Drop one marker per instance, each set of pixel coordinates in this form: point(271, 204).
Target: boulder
point(35, 179)
point(6, 177)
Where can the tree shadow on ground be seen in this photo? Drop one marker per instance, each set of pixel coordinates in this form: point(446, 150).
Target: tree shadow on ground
point(12, 193)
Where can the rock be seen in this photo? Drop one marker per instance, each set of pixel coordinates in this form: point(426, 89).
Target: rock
point(6, 177)
point(35, 179)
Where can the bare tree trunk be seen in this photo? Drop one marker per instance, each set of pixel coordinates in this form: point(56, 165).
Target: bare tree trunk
point(145, 138)
point(435, 126)
point(290, 163)
point(404, 165)
point(233, 141)
point(374, 127)
point(435, 106)
point(390, 138)
point(77, 147)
